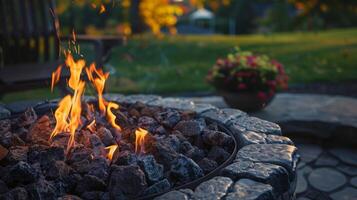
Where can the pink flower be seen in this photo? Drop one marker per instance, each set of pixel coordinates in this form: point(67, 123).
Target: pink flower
point(262, 96)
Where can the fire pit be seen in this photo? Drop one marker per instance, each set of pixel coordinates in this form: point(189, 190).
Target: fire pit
point(179, 145)
point(139, 147)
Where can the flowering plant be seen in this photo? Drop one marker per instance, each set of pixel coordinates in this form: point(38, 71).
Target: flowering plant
point(243, 71)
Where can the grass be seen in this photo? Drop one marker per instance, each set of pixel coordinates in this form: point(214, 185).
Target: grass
point(179, 64)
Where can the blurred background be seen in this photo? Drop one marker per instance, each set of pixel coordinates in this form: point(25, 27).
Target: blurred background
point(171, 44)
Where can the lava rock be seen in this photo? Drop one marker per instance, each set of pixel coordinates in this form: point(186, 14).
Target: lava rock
point(90, 183)
point(21, 173)
point(191, 127)
point(42, 189)
point(17, 153)
point(159, 187)
point(27, 118)
point(57, 169)
point(218, 154)
point(148, 123)
point(6, 139)
point(184, 169)
point(45, 155)
point(191, 151)
point(173, 141)
point(106, 136)
point(92, 195)
point(99, 167)
point(97, 146)
point(40, 130)
point(128, 179)
point(216, 138)
point(3, 187)
point(18, 193)
point(71, 181)
point(5, 126)
point(164, 153)
point(80, 153)
point(153, 171)
point(126, 158)
point(207, 165)
point(168, 118)
point(69, 197)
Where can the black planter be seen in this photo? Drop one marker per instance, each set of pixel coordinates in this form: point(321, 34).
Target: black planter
point(246, 101)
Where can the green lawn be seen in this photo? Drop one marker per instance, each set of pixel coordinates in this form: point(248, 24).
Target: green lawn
point(180, 63)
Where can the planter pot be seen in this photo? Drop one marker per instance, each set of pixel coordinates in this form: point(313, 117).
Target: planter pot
point(248, 102)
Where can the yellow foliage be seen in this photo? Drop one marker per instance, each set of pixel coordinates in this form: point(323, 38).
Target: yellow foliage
point(159, 13)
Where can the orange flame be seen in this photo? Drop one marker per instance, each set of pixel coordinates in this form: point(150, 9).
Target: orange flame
point(102, 9)
point(99, 83)
point(111, 117)
point(55, 77)
point(139, 140)
point(91, 126)
point(111, 151)
point(68, 114)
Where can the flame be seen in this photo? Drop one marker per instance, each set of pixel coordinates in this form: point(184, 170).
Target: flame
point(61, 115)
point(99, 83)
point(111, 117)
point(139, 140)
point(91, 126)
point(68, 113)
point(111, 151)
point(102, 9)
point(56, 77)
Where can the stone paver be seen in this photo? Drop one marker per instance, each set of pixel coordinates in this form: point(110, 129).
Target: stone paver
point(313, 108)
point(301, 183)
point(309, 152)
point(326, 160)
point(326, 179)
point(346, 155)
point(347, 193)
point(349, 170)
point(354, 181)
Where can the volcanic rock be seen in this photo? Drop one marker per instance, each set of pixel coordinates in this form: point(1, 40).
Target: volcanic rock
point(184, 169)
point(215, 138)
point(17, 153)
point(99, 167)
point(97, 146)
point(218, 154)
point(168, 118)
point(5, 126)
point(44, 154)
point(57, 169)
point(106, 136)
point(207, 165)
point(90, 183)
point(18, 193)
point(80, 153)
point(164, 153)
point(130, 180)
point(192, 152)
point(71, 181)
point(161, 186)
point(40, 130)
point(92, 195)
point(191, 127)
point(42, 189)
point(6, 139)
point(69, 197)
point(153, 171)
point(148, 123)
point(27, 118)
point(21, 173)
point(3, 187)
point(126, 158)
